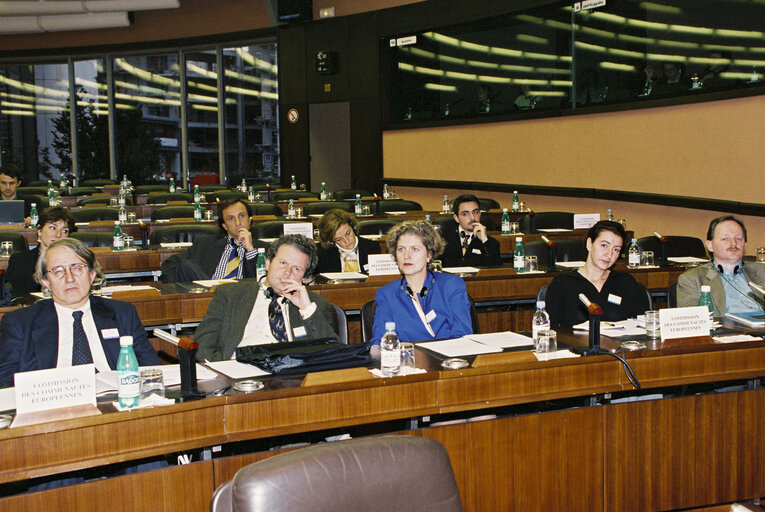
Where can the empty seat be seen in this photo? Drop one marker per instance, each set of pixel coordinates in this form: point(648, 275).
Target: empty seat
point(397, 205)
point(102, 199)
point(163, 198)
point(547, 220)
point(320, 207)
point(93, 238)
point(27, 191)
point(19, 242)
point(567, 249)
point(350, 193)
point(146, 189)
point(210, 188)
point(80, 191)
point(367, 320)
point(95, 213)
point(376, 226)
point(286, 196)
point(269, 228)
point(181, 233)
point(265, 209)
point(340, 324)
point(173, 212)
point(676, 246)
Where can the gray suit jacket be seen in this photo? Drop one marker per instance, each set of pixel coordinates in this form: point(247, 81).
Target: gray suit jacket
point(224, 322)
point(689, 284)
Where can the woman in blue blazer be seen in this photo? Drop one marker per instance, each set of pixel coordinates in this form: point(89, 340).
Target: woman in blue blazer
point(425, 305)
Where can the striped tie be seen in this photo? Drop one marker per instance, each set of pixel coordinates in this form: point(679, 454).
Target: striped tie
point(232, 267)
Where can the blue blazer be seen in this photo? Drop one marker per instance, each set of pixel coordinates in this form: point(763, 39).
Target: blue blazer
point(29, 336)
point(447, 297)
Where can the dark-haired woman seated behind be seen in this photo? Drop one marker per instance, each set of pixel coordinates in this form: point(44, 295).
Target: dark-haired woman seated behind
point(618, 293)
point(424, 305)
point(341, 249)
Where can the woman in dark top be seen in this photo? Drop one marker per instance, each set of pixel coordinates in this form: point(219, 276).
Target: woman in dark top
point(341, 248)
point(54, 223)
point(617, 293)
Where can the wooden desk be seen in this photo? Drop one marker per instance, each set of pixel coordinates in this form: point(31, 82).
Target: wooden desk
point(661, 454)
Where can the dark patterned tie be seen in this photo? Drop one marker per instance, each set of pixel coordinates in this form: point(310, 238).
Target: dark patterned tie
point(80, 347)
point(276, 320)
point(465, 239)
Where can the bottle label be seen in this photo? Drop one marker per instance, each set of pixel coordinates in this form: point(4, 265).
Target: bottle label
point(505, 226)
point(633, 259)
point(197, 215)
point(119, 243)
point(518, 262)
point(390, 359)
point(129, 385)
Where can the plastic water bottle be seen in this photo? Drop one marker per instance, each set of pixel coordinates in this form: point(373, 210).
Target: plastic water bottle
point(357, 205)
point(118, 242)
point(445, 204)
point(172, 185)
point(610, 215)
point(291, 209)
point(122, 215)
point(62, 182)
point(34, 217)
point(390, 351)
point(121, 198)
point(243, 186)
point(386, 192)
point(197, 194)
point(516, 202)
point(519, 256)
point(197, 211)
point(293, 183)
point(260, 263)
point(539, 322)
point(51, 195)
point(128, 387)
point(633, 254)
point(706, 300)
point(323, 192)
point(505, 222)
point(250, 194)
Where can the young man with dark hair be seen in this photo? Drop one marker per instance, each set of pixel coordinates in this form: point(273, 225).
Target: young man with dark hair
point(467, 243)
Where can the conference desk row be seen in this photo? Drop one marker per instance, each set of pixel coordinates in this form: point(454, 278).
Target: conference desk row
point(525, 435)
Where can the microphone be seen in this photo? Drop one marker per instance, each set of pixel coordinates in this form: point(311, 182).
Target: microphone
point(552, 254)
point(548, 241)
point(661, 238)
point(664, 249)
point(759, 289)
point(592, 307)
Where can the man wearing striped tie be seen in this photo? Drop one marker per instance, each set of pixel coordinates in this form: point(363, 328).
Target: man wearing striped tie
point(276, 309)
point(228, 255)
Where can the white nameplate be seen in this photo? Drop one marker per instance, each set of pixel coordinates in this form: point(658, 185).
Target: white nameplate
point(684, 322)
point(382, 265)
point(56, 388)
point(585, 220)
point(299, 228)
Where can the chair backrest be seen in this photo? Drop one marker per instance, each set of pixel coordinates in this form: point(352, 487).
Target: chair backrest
point(676, 246)
point(19, 242)
point(181, 233)
point(172, 212)
point(145, 189)
point(221, 498)
point(350, 193)
point(487, 203)
point(672, 296)
point(93, 238)
point(370, 474)
point(376, 227)
point(444, 223)
point(340, 324)
point(95, 213)
point(547, 220)
point(269, 228)
point(650, 299)
point(570, 249)
point(320, 207)
point(211, 188)
point(474, 316)
point(265, 209)
point(397, 205)
point(104, 200)
point(81, 191)
point(26, 191)
point(539, 249)
point(167, 196)
point(222, 195)
point(367, 320)
point(298, 194)
point(100, 182)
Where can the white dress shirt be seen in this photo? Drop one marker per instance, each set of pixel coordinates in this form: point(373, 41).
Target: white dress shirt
point(66, 337)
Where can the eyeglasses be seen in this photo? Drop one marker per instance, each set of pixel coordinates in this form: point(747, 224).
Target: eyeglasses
point(76, 269)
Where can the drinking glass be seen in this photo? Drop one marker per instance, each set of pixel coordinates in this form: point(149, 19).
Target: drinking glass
point(208, 215)
point(532, 265)
point(365, 210)
point(129, 242)
point(407, 357)
point(652, 325)
point(6, 248)
point(152, 383)
point(646, 259)
point(761, 254)
point(513, 228)
point(131, 217)
point(547, 342)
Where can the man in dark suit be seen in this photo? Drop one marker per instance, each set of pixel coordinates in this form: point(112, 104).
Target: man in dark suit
point(228, 255)
point(276, 309)
point(10, 179)
point(467, 243)
point(72, 327)
point(55, 222)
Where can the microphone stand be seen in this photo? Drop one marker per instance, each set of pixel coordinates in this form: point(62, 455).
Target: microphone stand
point(552, 254)
point(595, 315)
point(663, 245)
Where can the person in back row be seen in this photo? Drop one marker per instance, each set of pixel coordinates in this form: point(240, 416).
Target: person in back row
point(230, 254)
point(341, 248)
point(10, 179)
point(617, 293)
point(467, 243)
point(425, 305)
point(727, 274)
point(55, 222)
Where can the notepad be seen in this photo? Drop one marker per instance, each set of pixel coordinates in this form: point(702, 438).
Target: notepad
point(233, 369)
point(460, 270)
point(459, 347)
point(506, 339)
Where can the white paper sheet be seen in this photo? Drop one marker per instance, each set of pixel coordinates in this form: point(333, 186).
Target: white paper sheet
point(687, 259)
point(460, 270)
point(570, 264)
point(171, 376)
point(459, 347)
point(373, 237)
point(207, 283)
point(560, 354)
point(175, 245)
point(343, 275)
point(8, 399)
point(236, 370)
point(629, 327)
point(504, 339)
point(736, 338)
point(554, 230)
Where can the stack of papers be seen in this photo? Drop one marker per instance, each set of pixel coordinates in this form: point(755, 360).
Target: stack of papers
point(209, 283)
point(736, 338)
point(337, 276)
point(630, 327)
point(569, 264)
point(106, 382)
point(687, 259)
point(460, 270)
point(175, 245)
point(459, 347)
point(233, 369)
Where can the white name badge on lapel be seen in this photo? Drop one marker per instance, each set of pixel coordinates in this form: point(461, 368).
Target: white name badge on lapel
point(614, 299)
point(476, 251)
point(430, 316)
point(299, 332)
point(108, 334)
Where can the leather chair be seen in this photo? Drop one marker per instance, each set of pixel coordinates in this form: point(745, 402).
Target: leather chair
point(269, 228)
point(474, 316)
point(672, 296)
point(33, 191)
point(101, 200)
point(93, 238)
point(367, 319)
point(570, 250)
point(81, 191)
point(101, 182)
point(228, 194)
point(539, 249)
point(369, 474)
point(95, 213)
point(340, 324)
point(347, 194)
point(165, 197)
point(397, 205)
point(286, 196)
point(376, 227)
point(181, 233)
point(146, 189)
point(19, 242)
point(321, 207)
point(676, 246)
point(265, 209)
point(209, 188)
point(547, 220)
point(486, 204)
point(173, 212)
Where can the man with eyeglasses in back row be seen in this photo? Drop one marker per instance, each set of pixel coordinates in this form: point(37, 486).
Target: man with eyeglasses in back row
point(72, 327)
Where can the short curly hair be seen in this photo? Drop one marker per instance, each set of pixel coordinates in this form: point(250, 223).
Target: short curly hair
point(331, 222)
point(303, 244)
point(429, 235)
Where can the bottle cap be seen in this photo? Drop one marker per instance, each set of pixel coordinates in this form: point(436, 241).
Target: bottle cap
point(390, 326)
point(126, 341)
point(34, 204)
point(518, 238)
point(705, 288)
point(634, 240)
point(504, 210)
point(116, 223)
point(261, 249)
point(540, 304)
